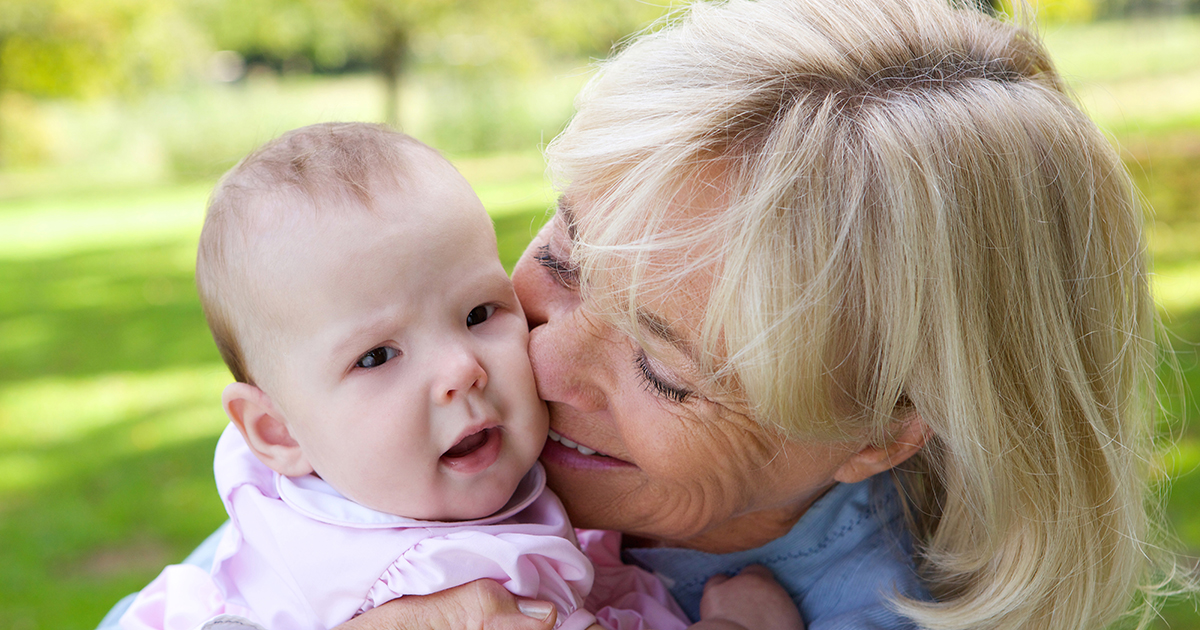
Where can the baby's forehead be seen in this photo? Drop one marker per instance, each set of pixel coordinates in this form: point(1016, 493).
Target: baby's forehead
point(284, 208)
point(410, 205)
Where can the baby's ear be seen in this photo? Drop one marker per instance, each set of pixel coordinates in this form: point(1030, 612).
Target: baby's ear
point(872, 459)
point(255, 415)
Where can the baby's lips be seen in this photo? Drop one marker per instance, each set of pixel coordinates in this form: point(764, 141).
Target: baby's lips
point(468, 444)
point(475, 452)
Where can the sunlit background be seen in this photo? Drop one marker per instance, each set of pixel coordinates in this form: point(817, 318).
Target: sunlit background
point(116, 117)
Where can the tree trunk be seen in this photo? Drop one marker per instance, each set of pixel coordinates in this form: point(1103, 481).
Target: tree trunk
point(391, 62)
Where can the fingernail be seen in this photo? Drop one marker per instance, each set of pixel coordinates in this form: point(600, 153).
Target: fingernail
point(536, 609)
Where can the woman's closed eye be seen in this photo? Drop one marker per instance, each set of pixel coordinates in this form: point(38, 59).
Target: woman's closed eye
point(564, 272)
point(658, 384)
point(377, 357)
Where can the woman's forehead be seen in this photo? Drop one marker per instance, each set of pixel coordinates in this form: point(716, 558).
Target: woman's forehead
point(655, 287)
point(698, 184)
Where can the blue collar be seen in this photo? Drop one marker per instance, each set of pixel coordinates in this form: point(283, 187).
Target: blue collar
point(849, 552)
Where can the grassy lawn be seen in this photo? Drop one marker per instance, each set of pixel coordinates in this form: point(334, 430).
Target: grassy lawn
point(109, 384)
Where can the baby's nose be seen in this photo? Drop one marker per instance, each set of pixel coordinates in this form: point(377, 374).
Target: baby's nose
point(459, 372)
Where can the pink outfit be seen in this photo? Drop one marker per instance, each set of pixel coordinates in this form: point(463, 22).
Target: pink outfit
point(301, 556)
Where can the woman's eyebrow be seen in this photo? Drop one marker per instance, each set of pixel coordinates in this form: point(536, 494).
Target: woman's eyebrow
point(567, 216)
point(659, 327)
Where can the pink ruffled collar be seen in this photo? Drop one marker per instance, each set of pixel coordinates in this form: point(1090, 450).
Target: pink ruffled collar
point(313, 497)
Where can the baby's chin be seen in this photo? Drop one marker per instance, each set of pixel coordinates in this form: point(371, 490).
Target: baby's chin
point(480, 502)
point(482, 510)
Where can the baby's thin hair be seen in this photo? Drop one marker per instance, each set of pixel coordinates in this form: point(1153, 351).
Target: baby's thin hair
point(311, 169)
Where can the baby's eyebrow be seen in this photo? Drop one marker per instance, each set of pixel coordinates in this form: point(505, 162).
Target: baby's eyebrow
point(354, 341)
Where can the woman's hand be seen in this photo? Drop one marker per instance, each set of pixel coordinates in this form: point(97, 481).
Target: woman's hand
point(752, 600)
point(478, 605)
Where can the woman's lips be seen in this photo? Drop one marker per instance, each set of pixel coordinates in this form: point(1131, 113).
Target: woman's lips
point(566, 452)
point(474, 453)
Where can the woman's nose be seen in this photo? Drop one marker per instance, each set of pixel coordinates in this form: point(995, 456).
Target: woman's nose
point(564, 345)
point(537, 294)
point(459, 372)
point(570, 361)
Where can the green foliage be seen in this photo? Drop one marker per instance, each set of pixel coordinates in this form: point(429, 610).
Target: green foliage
point(59, 48)
point(1108, 52)
point(197, 132)
point(470, 38)
point(83, 49)
point(321, 32)
point(483, 51)
point(1049, 11)
point(1146, 8)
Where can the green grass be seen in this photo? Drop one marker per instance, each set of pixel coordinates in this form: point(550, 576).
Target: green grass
point(109, 384)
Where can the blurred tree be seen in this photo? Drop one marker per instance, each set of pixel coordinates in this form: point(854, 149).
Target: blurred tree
point(1144, 8)
point(392, 36)
point(1053, 11)
point(86, 48)
point(390, 28)
point(592, 28)
point(316, 33)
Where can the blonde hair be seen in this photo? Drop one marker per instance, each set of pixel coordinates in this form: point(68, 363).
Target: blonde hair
point(316, 169)
point(916, 218)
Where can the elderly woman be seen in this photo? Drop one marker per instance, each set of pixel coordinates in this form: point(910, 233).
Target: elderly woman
point(850, 289)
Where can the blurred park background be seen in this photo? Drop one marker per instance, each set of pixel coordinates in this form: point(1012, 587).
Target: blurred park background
point(116, 117)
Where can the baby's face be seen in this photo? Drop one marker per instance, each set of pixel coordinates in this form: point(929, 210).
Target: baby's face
point(404, 375)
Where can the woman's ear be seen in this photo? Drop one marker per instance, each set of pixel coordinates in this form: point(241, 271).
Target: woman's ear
point(872, 459)
point(254, 414)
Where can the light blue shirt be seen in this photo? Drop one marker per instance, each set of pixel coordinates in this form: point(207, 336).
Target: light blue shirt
point(841, 563)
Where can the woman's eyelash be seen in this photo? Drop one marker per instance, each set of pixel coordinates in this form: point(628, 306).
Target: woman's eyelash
point(566, 273)
point(673, 393)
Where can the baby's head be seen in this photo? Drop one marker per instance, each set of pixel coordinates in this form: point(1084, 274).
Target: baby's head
point(351, 280)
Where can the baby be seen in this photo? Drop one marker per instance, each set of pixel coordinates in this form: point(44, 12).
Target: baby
point(385, 426)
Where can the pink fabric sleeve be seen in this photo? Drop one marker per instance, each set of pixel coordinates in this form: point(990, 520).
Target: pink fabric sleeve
point(549, 568)
point(625, 597)
point(182, 597)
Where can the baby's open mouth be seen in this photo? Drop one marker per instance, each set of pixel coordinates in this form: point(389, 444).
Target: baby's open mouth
point(469, 444)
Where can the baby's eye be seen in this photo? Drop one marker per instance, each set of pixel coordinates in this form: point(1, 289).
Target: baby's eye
point(480, 314)
point(377, 357)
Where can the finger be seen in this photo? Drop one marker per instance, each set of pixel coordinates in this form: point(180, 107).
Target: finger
point(504, 611)
point(537, 609)
point(759, 570)
point(716, 580)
